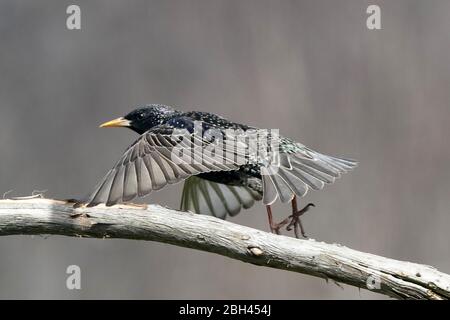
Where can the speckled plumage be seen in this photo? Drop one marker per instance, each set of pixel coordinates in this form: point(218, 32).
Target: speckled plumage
point(214, 189)
point(169, 119)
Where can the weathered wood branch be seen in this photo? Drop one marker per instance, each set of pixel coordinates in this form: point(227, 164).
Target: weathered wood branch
point(394, 278)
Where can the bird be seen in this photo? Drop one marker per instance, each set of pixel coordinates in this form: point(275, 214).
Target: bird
point(218, 183)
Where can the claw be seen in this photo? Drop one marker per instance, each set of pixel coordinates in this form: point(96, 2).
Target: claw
point(293, 221)
point(296, 221)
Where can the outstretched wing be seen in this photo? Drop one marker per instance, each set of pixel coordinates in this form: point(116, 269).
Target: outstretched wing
point(216, 199)
point(154, 160)
point(300, 169)
point(157, 158)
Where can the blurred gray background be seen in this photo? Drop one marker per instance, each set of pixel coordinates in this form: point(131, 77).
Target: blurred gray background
point(310, 68)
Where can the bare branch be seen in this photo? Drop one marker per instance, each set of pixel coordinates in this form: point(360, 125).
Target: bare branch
point(394, 278)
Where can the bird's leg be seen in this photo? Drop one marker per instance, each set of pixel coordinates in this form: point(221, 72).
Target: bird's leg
point(272, 227)
point(295, 218)
point(275, 227)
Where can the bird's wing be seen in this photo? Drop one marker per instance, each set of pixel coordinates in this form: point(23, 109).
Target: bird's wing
point(157, 158)
point(216, 199)
point(300, 169)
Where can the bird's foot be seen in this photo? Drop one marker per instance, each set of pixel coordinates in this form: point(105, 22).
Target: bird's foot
point(296, 223)
point(275, 227)
point(292, 221)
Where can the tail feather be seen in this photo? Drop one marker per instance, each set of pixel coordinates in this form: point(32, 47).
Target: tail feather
point(295, 183)
point(317, 164)
point(270, 192)
point(300, 173)
point(310, 180)
point(315, 173)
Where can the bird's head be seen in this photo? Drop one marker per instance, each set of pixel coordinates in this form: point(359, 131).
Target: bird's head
point(142, 119)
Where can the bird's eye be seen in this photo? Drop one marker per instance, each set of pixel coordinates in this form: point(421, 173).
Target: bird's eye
point(140, 116)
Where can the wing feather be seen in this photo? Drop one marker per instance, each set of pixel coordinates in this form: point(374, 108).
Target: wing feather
point(216, 199)
point(150, 163)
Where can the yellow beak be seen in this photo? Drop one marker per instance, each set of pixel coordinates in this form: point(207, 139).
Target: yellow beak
point(119, 122)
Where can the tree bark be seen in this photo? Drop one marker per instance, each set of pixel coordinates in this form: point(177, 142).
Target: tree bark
point(398, 279)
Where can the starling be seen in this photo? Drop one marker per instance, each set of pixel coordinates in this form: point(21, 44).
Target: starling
point(218, 186)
